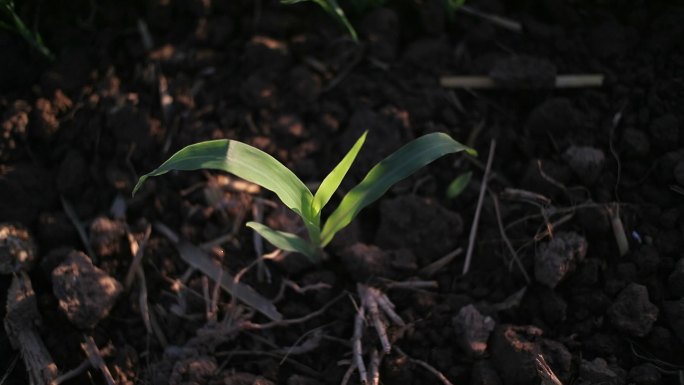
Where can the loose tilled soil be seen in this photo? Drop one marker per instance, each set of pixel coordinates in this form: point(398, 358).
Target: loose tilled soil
point(569, 167)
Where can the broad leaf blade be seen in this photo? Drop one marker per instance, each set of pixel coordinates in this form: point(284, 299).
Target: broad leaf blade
point(283, 240)
point(332, 181)
point(248, 163)
point(389, 171)
point(459, 184)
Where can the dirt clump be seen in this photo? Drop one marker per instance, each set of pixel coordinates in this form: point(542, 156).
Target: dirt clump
point(86, 293)
point(559, 257)
point(472, 330)
point(421, 225)
point(514, 350)
point(632, 312)
point(18, 251)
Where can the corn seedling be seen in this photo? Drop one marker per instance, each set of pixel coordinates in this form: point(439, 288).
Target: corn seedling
point(13, 23)
point(334, 10)
point(258, 167)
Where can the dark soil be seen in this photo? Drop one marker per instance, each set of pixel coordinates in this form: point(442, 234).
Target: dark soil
point(568, 165)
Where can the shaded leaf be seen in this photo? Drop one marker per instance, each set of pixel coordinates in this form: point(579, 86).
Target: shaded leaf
point(201, 261)
point(283, 240)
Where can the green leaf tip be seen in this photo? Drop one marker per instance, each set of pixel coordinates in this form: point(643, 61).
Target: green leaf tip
point(332, 182)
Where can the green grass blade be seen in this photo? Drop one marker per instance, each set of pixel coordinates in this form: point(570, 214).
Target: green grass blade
point(391, 170)
point(332, 181)
point(458, 185)
point(334, 10)
point(248, 163)
point(283, 240)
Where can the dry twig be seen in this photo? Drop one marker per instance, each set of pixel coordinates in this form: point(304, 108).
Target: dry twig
point(95, 357)
point(22, 314)
point(433, 268)
point(478, 210)
point(507, 241)
point(426, 366)
point(71, 214)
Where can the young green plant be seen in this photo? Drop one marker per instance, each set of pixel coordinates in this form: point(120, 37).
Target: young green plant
point(258, 167)
point(12, 22)
point(334, 10)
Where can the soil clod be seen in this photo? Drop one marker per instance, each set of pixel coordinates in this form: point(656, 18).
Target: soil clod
point(514, 350)
point(18, 251)
point(86, 293)
point(586, 162)
point(420, 225)
point(597, 372)
point(559, 257)
point(472, 330)
point(106, 236)
point(633, 312)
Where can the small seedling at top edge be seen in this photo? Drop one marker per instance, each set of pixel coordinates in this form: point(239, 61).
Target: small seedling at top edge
point(15, 24)
point(333, 9)
point(258, 167)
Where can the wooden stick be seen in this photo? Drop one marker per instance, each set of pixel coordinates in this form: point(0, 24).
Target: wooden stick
point(478, 210)
point(357, 347)
point(502, 22)
point(22, 313)
point(95, 357)
point(485, 82)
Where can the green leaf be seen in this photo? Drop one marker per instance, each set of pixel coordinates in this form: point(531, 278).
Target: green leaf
point(391, 170)
point(332, 181)
point(248, 163)
point(459, 184)
point(283, 240)
point(334, 10)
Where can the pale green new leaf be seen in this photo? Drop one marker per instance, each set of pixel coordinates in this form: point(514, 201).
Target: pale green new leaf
point(248, 163)
point(459, 184)
point(389, 171)
point(332, 181)
point(283, 240)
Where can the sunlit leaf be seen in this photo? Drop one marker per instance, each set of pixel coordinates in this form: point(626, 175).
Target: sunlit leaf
point(248, 163)
point(332, 181)
point(459, 184)
point(391, 170)
point(284, 241)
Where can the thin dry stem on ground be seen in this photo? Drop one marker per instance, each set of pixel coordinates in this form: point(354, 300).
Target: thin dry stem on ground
point(476, 218)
